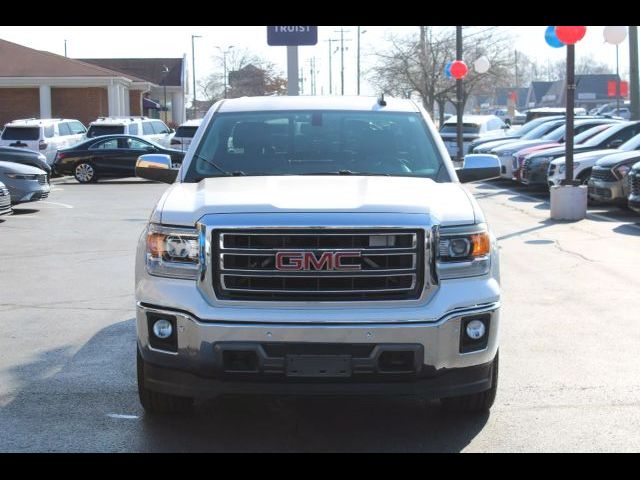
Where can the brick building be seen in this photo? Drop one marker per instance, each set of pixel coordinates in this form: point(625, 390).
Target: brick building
point(40, 84)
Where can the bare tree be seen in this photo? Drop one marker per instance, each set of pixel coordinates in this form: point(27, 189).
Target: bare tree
point(415, 64)
point(252, 74)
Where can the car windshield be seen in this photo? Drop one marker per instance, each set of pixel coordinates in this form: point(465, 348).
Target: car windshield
point(587, 134)
point(466, 128)
point(21, 133)
point(541, 130)
point(604, 136)
point(317, 143)
point(632, 144)
point(532, 125)
point(100, 130)
point(186, 132)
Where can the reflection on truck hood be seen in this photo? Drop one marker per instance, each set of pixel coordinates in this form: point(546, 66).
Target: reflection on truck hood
point(186, 203)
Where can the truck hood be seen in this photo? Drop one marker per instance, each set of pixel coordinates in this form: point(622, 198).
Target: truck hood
point(591, 155)
point(517, 146)
point(445, 203)
point(619, 157)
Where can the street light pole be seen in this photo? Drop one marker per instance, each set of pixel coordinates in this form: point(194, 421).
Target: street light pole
point(358, 63)
point(341, 61)
point(617, 82)
point(459, 97)
point(65, 47)
point(571, 88)
point(165, 72)
point(224, 66)
point(193, 67)
point(633, 73)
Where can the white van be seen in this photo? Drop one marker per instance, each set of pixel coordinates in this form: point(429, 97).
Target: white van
point(46, 136)
point(149, 128)
point(184, 134)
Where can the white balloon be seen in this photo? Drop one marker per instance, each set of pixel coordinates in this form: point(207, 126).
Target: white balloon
point(614, 35)
point(482, 64)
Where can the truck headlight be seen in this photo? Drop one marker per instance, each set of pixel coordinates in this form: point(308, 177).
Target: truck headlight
point(21, 176)
point(464, 252)
point(173, 252)
point(621, 171)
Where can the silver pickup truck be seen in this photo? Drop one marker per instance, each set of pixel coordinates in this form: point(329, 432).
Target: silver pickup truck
point(317, 245)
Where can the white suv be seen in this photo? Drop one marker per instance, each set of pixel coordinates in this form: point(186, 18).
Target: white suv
point(46, 136)
point(149, 128)
point(184, 134)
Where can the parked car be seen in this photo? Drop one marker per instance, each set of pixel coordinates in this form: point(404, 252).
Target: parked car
point(473, 127)
point(5, 200)
point(622, 112)
point(506, 152)
point(277, 259)
point(634, 188)
point(622, 137)
point(181, 139)
point(144, 127)
point(108, 156)
point(519, 156)
point(25, 183)
point(25, 157)
point(550, 111)
point(503, 114)
point(609, 182)
point(45, 136)
point(484, 145)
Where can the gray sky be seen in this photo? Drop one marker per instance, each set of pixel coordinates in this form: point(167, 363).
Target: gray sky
point(174, 41)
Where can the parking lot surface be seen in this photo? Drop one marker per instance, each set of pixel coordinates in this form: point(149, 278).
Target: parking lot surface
point(568, 363)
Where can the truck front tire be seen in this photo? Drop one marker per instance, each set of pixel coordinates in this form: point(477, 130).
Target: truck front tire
point(476, 402)
point(156, 402)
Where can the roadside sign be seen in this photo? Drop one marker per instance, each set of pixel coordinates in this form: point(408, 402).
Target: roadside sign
point(278, 36)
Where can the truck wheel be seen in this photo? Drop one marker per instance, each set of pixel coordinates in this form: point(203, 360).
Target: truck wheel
point(85, 173)
point(476, 402)
point(155, 402)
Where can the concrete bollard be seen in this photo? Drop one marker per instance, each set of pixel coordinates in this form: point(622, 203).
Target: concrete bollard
point(569, 202)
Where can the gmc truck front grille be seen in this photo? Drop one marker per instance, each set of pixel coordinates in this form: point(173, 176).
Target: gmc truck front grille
point(604, 174)
point(634, 183)
point(331, 264)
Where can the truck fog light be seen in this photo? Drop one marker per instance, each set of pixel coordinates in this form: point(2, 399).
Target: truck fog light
point(162, 328)
point(475, 329)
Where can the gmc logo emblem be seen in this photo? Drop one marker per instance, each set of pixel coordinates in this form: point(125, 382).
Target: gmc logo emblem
point(295, 261)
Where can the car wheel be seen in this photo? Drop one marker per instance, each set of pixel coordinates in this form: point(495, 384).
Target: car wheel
point(156, 402)
point(584, 177)
point(85, 173)
point(476, 402)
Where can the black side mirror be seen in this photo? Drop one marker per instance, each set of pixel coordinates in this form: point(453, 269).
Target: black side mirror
point(156, 167)
point(478, 167)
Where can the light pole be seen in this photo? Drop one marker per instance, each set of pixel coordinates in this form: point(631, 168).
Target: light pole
point(193, 67)
point(358, 65)
point(165, 72)
point(615, 35)
point(65, 47)
point(224, 65)
point(633, 73)
point(459, 111)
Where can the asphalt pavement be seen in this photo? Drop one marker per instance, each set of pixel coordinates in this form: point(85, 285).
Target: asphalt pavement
point(569, 359)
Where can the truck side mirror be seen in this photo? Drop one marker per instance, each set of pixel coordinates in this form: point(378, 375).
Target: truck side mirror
point(156, 167)
point(479, 167)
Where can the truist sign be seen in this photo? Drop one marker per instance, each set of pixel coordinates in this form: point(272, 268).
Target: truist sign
point(296, 261)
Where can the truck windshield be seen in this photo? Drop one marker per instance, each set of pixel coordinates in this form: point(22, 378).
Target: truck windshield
point(317, 143)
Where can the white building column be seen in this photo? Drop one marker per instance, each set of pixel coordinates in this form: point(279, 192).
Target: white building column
point(127, 102)
point(178, 112)
point(112, 95)
point(45, 101)
point(121, 97)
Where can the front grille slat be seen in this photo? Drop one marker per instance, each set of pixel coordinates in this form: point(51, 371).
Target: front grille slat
point(390, 261)
point(604, 174)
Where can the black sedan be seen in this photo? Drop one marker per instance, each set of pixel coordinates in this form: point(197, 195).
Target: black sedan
point(108, 156)
point(25, 157)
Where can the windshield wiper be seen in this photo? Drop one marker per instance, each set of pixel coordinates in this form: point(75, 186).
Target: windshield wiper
point(237, 173)
point(345, 172)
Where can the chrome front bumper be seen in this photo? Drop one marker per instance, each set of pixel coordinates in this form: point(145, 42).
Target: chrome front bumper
point(440, 340)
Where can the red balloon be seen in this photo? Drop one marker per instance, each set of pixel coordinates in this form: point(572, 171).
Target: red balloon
point(570, 35)
point(458, 69)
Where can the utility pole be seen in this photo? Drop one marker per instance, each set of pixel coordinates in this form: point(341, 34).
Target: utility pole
point(193, 68)
point(459, 110)
point(331, 40)
point(634, 83)
point(342, 40)
point(65, 47)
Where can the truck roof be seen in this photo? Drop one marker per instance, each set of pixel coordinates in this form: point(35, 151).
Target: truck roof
point(275, 103)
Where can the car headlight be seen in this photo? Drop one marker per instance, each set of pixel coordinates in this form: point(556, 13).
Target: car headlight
point(21, 176)
point(621, 171)
point(173, 252)
point(463, 252)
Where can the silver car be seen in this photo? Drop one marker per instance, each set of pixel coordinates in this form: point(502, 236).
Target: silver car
point(25, 183)
point(5, 200)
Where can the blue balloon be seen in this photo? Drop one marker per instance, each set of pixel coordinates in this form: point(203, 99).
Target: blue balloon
point(447, 70)
point(551, 38)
